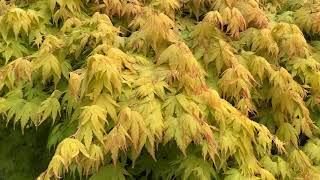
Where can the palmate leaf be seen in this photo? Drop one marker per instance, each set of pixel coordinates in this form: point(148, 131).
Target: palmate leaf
point(110, 172)
point(206, 30)
point(12, 49)
point(265, 174)
point(235, 174)
point(155, 32)
point(291, 92)
point(70, 148)
point(290, 39)
point(134, 124)
point(109, 104)
point(168, 7)
point(307, 70)
point(120, 59)
point(95, 32)
point(60, 132)
point(312, 149)
point(214, 17)
point(184, 67)
point(134, 91)
point(264, 43)
point(50, 107)
point(300, 156)
point(67, 150)
point(147, 84)
point(253, 15)
point(270, 165)
point(236, 22)
point(71, 23)
point(195, 6)
point(183, 123)
point(72, 6)
point(154, 118)
point(92, 122)
point(306, 18)
point(75, 83)
point(258, 66)
point(151, 89)
point(93, 164)
point(151, 110)
point(114, 7)
point(101, 73)
point(115, 141)
point(288, 134)
point(219, 109)
point(19, 109)
point(219, 53)
point(236, 82)
point(174, 131)
point(15, 72)
point(49, 66)
point(17, 20)
point(193, 167)
point(132, 8)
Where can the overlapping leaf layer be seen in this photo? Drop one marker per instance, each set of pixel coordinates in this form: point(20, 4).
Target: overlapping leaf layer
point(166, 89)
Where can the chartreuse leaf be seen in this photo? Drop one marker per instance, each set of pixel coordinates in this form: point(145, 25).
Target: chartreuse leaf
point(110, 172)
point(50, 67)
point(101, 73)
point(235, 174)
point(193, 167)
point(60, 132)
point(140, 92)
point(115, 141)
point(50, 107)
point(134, 124)
point(92, 122)
point(182, 124)
point(66, 151)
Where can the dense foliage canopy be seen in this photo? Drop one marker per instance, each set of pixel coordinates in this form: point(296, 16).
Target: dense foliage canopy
point(164, 89)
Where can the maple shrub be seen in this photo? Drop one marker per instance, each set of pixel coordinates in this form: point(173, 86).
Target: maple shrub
point(165, 89)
